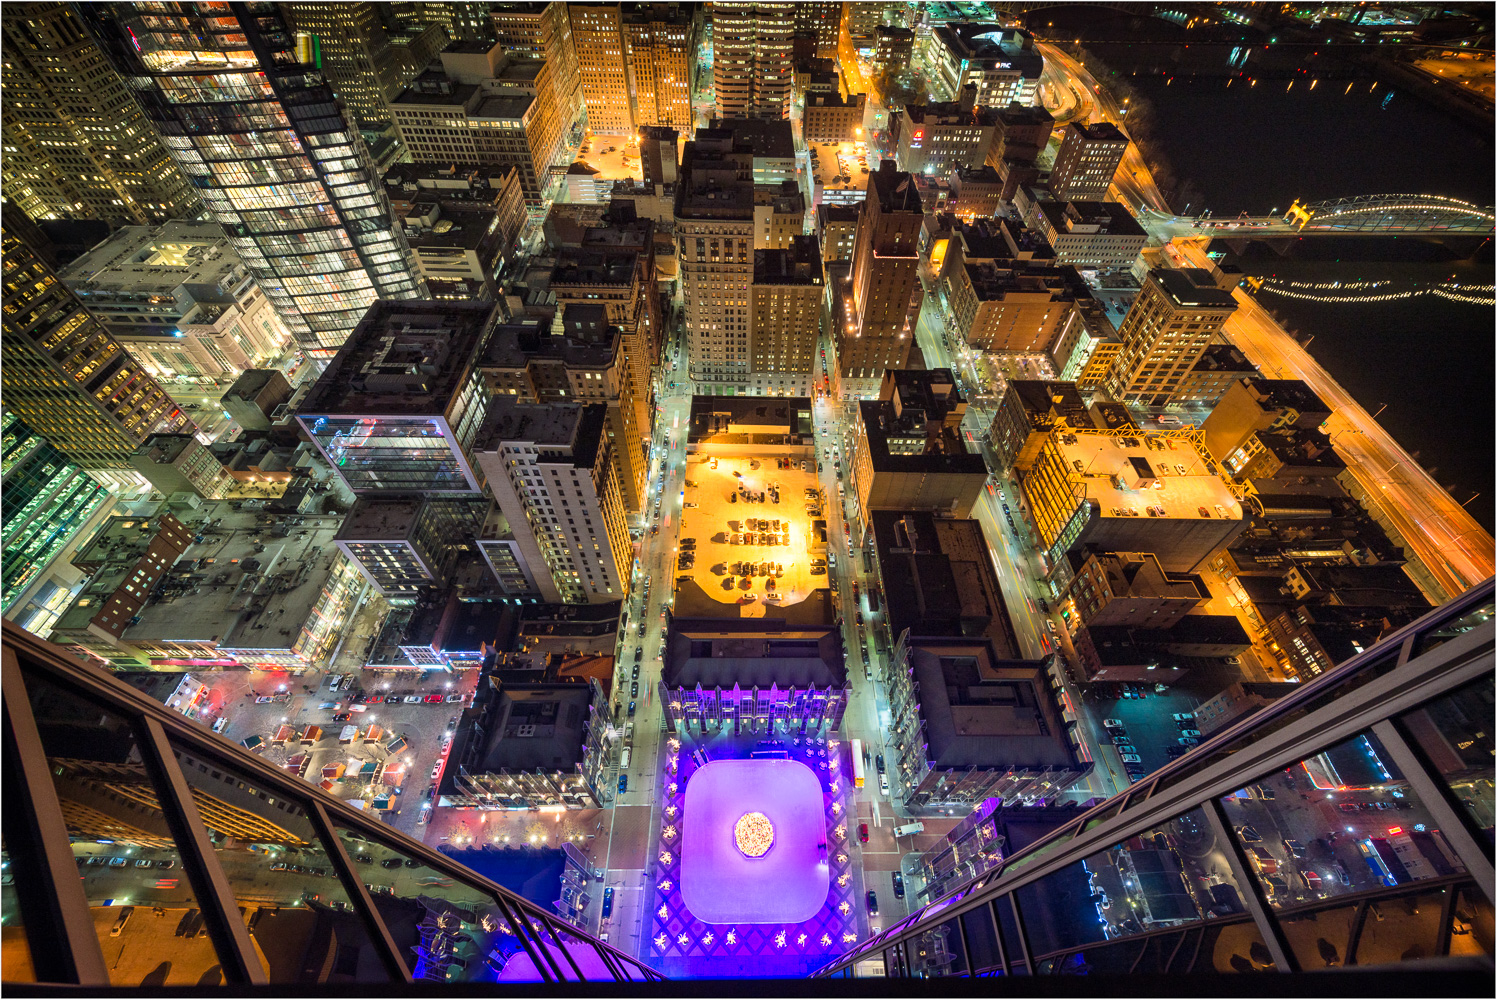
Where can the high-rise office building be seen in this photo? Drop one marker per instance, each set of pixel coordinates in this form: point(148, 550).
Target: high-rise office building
point(876, 331)
point(180, 300)
point(77, 144)
point(824, 18)
point(549, 469)
point(405, 544)
point(1088, 157)
point(487, 109)
point(714, 217)
point(1171, 322)
point(67, 377)
point(400, 406)
point(660, 44)
point(463, 21)
point(752, 59)
point(587, 362)
point(598, 37)
point(48, 501)
point(1000, 62)
point(787, 302)
point(543, 31)
point(256, 128)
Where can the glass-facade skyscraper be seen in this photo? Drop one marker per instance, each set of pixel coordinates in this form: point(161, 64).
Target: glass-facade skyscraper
point(257, 130)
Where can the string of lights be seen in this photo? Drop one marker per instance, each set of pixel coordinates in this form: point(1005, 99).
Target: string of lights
point(1352, 292)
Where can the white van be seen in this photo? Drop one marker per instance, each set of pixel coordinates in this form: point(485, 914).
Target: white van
point(883, 784)
point(624, 759)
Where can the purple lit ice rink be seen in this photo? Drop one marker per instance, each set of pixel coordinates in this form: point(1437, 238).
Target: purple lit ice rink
point(719, 885)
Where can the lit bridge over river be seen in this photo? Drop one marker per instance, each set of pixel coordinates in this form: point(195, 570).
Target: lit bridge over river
point(1368, 215)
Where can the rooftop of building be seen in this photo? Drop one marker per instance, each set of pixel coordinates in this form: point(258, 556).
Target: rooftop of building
point(1044, 396)
point(1132, 472)
point(1138, 574)
point(1189, 288)
point(405, 358)
point(726, 417)
point(1023, 114)
point(942, 450)
point(831, 99)
point(754, 652)
point(1098, 131)
point(997, 280)
point(1301, 448)
point(530, 728)
point(248, 584)
point(894, 188)
point(1288, 394)
point(594, 266)
point(1224, 358)
point(981, 711)
point(800, 264)
point(434, 223)
point(524, 339)
point(160, 259)
point(767, 139)
point(433, 89)
point(893, 31)
point(380, 519)
point(938, 578)
point(1107, 217)
point(565, 433)
point(829, 212)
point(1008, 48)
point(253, 382)
point(1190, 630)
point(440, 176)
point(509, 107)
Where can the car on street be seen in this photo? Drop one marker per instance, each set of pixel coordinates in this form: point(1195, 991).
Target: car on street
point(375, 699)
point(623, 783)
point(1131, 758)
point(631, 709)
point(221, 725)
point(634, 689)
point(872, 901)
point(1126, 748)
point(1194, 733)
point(142, 863)
point(1248, 834)
point(1295, 848)
point(117, 862)
point(363, 859)
point(390, 863)
point(433, 699)
point(413, 699)
point(342, 716)
point(166, 863)
point(1183, 716)
point(1311, 879)
point(878, 762)
point(1113, 723)
point(97, 860)
point(607, 902)
point(863, 832)
point(1349, 807)
point(1120, 737)
point(898, 881)
point(1188, 741)
point(454, 699)
point(634, 675)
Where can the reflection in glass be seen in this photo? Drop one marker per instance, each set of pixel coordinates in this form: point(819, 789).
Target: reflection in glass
point(1448, 630)
point(1471, 924)
point(129, 865)
point(1341, 821)
point(301, 919)
point(1402, 929)
point(15, 950)
point(1455, 733)
point(1319, 939)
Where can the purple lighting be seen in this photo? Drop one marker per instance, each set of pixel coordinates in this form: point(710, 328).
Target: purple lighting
point(722, 885)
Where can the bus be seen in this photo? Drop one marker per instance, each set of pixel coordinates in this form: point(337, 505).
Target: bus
point(857, 763)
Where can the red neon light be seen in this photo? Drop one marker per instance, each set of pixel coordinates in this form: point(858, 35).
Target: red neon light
point(1394, 831)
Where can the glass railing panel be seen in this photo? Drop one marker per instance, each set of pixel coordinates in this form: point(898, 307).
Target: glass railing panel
point(1456, 734)
point(1402, 929)
point(446, 930)
point(1319, 938)
point(301, 918)
point(15, 949)
point(936, 952)
point(1443, 632)
point(149, 926)
point(1008, 928)
point(1341, 821)
point(1167, 876)
point(982, 942)
point(1287, 716)
point(1471, 924)
point(1234, 947)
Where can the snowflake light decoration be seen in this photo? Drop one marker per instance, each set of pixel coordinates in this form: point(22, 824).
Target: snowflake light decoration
point(779, 940)
point(754, 834)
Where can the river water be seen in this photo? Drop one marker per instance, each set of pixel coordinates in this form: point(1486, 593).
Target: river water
point(1229, 145)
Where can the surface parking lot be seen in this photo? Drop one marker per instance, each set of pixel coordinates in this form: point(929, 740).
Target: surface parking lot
point(730, 533)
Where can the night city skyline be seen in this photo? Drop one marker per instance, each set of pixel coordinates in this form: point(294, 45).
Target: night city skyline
point(506, 493)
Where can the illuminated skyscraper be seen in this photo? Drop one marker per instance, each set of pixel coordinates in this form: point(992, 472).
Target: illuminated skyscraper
point(659, 45)
point(752, 67)
point(258, 131)
point(77, 145)
point(67, 377)
point(543, 31)
point(878, 333)
point(598, 37)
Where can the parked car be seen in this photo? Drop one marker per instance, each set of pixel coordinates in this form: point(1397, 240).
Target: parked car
point(1188, 741)
point(117, 862)
point(1183, 716)
point(607, 902)
point(342, 716)
point(413, 699)
point(1113, 723)
point(433, 699)
point(863, 832)
point(1248, 834)
point(872, 900)
point(1311, 879)
point(1126, 748)
point(1196, 733)
point(166, 863)
point(623, 783)
point(1295, 848)
point(898, 880)
point(1131, 758)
